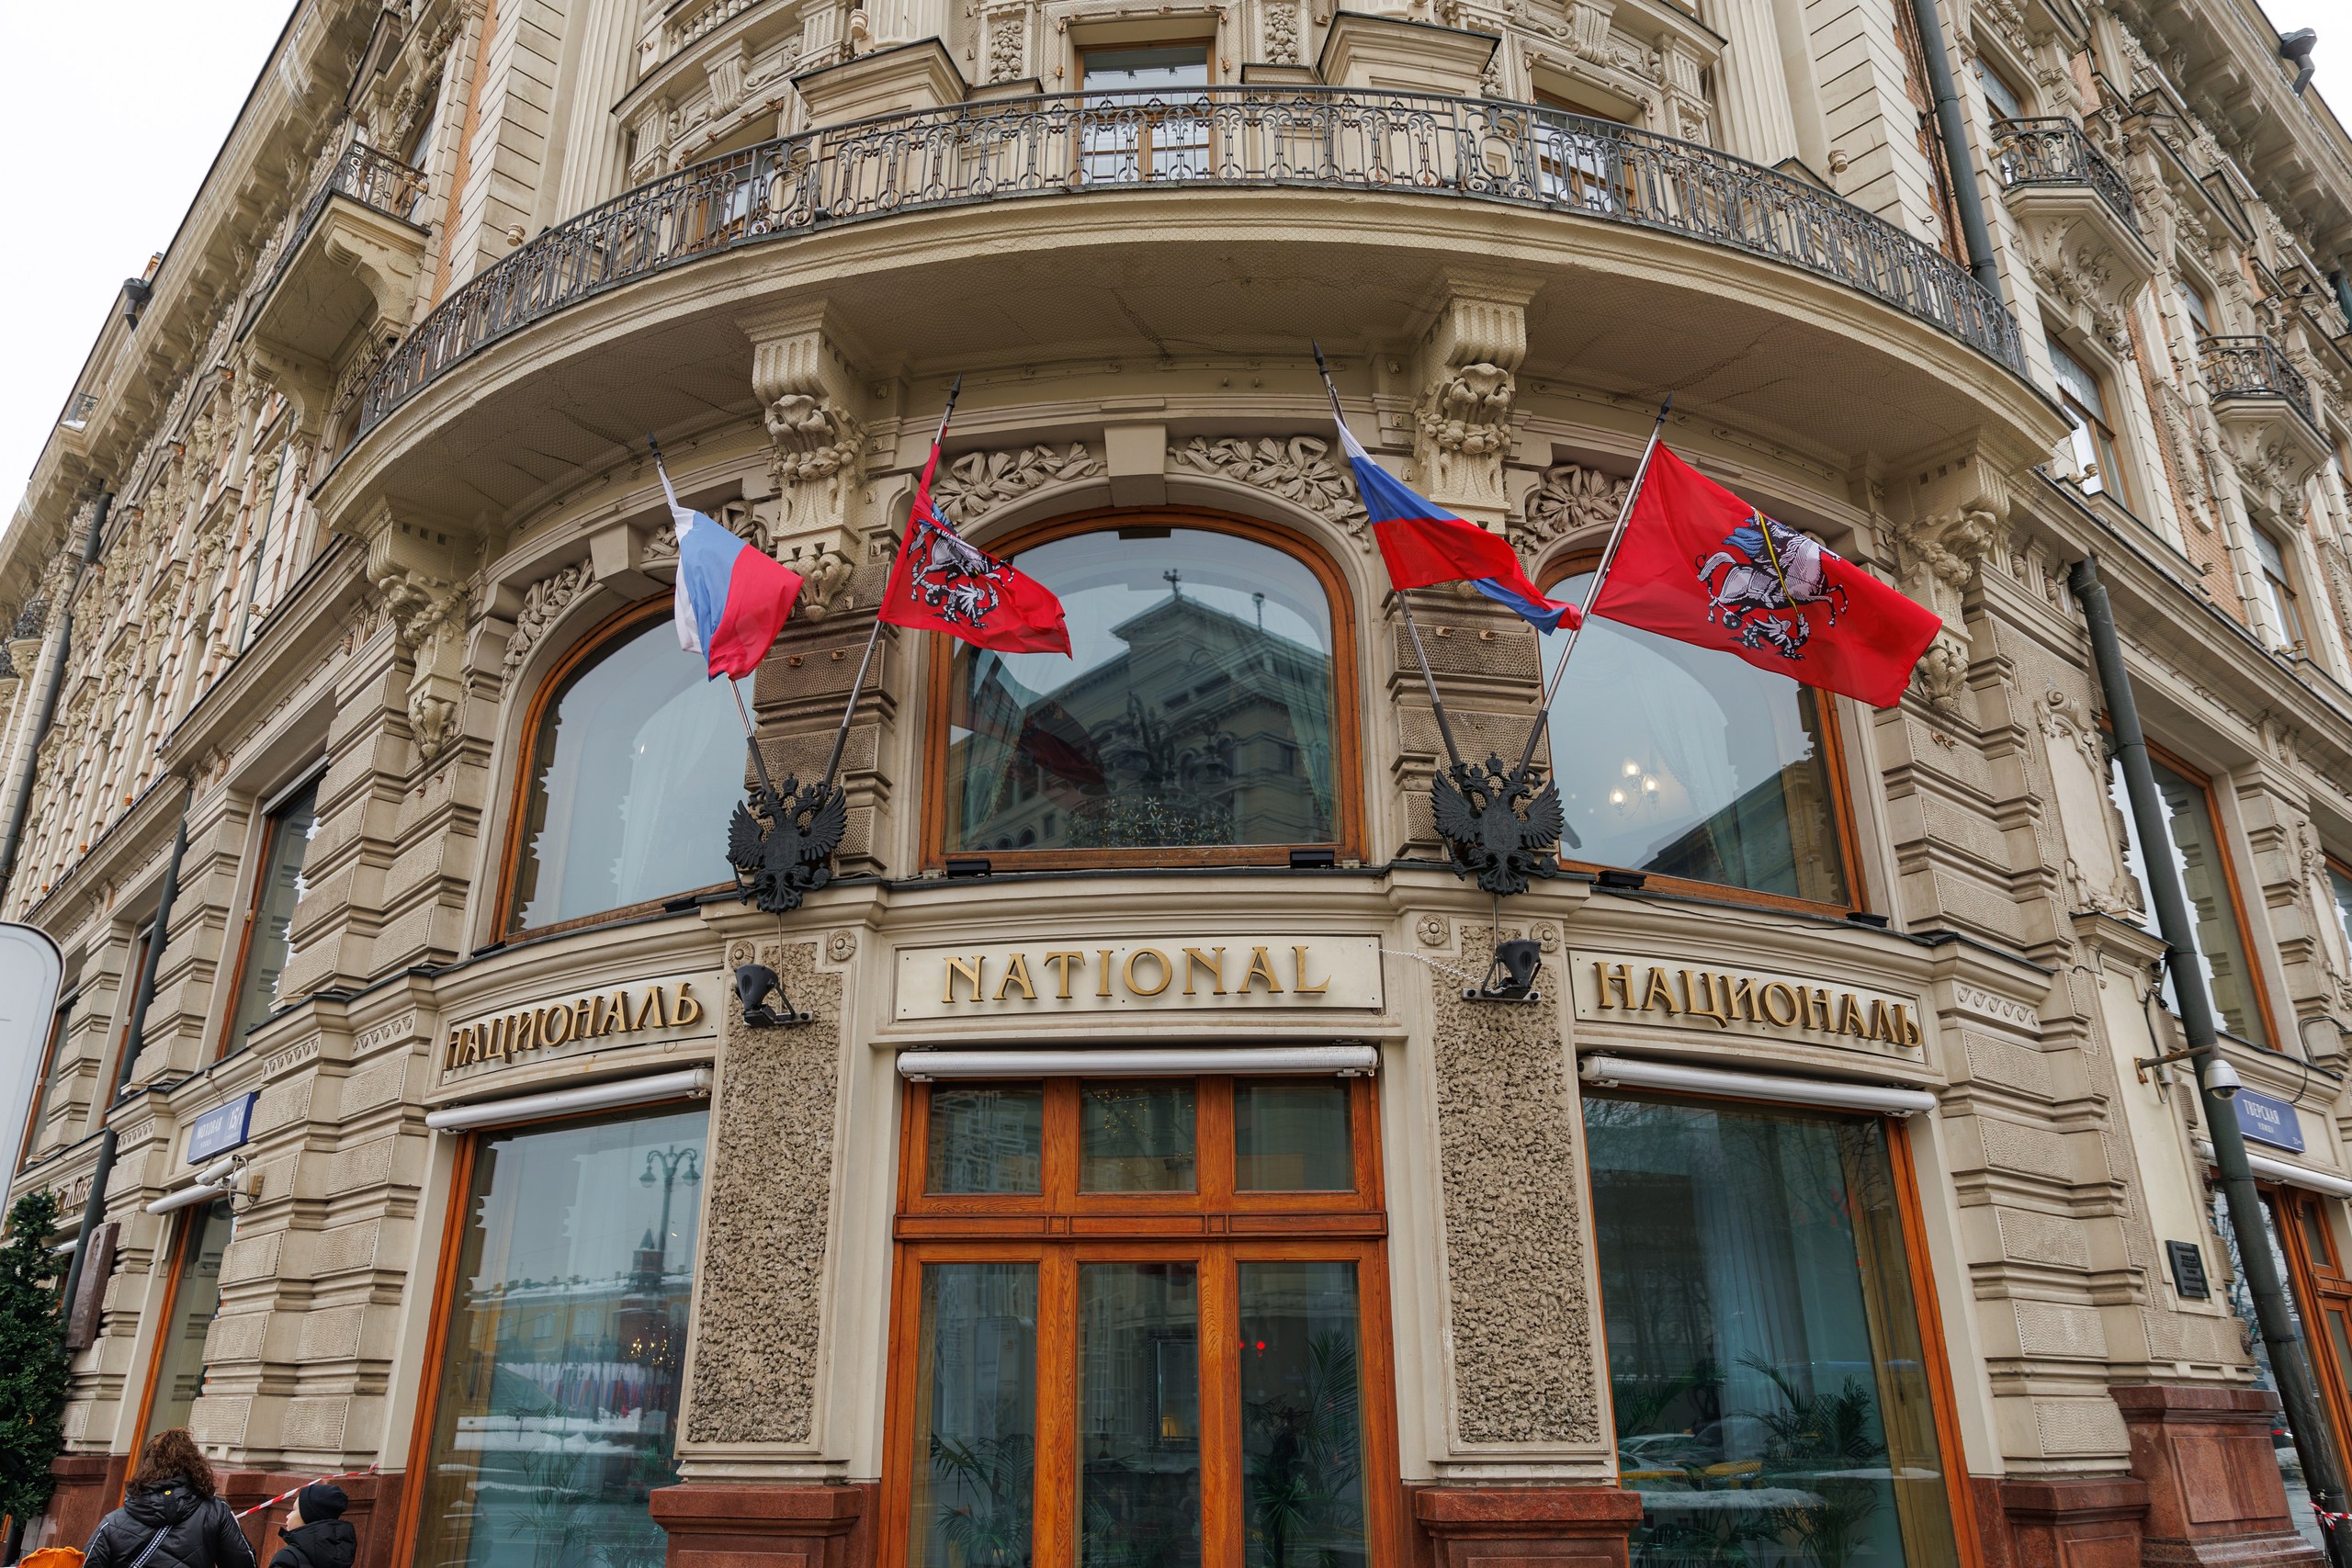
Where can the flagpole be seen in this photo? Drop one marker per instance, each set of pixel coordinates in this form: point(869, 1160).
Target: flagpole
point(1412, 630)
point(1592, 594)
point(857, 687)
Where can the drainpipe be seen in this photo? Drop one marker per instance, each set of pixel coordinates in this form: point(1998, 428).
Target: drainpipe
point(59, 648)
point(2289, 1362)
point(134, 1038)
point(1973, 230)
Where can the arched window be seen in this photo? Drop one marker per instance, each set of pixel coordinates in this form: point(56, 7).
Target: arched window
point(1690, 763)
point(1206, 711)
point(636, 764)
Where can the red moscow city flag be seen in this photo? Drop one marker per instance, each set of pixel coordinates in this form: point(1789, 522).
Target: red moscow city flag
point(940, 583)
point(1701, 565)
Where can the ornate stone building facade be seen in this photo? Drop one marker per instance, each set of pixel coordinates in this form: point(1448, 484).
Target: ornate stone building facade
point(1819, 1208)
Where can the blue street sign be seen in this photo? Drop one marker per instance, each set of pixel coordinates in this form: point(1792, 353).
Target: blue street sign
point(221, 1129)
point(2268, 1120)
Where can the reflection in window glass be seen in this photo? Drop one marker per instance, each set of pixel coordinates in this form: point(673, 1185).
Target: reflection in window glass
point(1999, 96)
point(638, 766)
point(1139, 1415)
point(987, 1138)
point(2085, 406)
point(195, 1296)
point(976, 1417)
point(2279, 587)
point(285, 843)
point(1197, 711)
point(1690, 761)
point(1764, 1347)
point(1302, 1427)
point(1137, 135)
point(566, 1342)
point(1291, 1137)
point(51, 1096)
point(2205, 882)
point(2341, 886)
point(1135, 1138)
point(2282, 1436)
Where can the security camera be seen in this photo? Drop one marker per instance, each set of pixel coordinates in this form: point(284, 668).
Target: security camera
point(2221, 1079)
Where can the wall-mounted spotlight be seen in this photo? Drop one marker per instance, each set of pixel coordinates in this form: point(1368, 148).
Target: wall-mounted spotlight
point(754, 983)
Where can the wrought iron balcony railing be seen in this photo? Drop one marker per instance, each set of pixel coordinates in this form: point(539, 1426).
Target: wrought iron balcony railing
point(368, 176)
point(2251, 368)
point(2054, 152)
point(1214, 138)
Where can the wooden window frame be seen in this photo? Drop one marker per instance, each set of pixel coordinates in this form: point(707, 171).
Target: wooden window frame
point(410, 1514)
point(190, 1226)
point(1347, 770)
point(58, 1017)
point(1839, 788)
point(598, 639)
point(2228, 860)
point(2281, 584)
point(2107, 448)
point(1943, 1399)
point(272, 824)
point(1214, 1226)
point(2320, 1286)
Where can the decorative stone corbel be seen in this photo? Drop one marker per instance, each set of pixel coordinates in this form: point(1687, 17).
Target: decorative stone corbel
point(1467, 373)
point(802, 374)
point(1948, 518)
point(413, 569)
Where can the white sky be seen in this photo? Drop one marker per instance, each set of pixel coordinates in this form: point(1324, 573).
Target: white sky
point(116, 107)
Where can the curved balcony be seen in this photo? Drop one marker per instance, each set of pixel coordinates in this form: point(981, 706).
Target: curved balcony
point(2054, 152)
point(2253, 368)
point(1220, 138)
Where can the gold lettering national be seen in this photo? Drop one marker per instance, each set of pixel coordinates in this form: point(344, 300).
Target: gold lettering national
point(1659, 991)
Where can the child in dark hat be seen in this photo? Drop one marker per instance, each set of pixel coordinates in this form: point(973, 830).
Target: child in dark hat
point(314, 1532)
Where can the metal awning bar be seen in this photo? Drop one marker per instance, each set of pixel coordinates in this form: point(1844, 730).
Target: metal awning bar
point(2279, 1170)
point(1298, 1061)
point(210, 1182)
point(693, 1083)
point(1613, 1072)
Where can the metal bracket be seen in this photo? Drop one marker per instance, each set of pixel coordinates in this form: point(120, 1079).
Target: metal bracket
point(754, 981)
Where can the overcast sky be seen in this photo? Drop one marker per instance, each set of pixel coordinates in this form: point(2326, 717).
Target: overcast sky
point(116, 107)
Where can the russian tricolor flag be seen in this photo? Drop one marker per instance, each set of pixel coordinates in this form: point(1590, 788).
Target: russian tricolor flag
point(1423, 544)
point(731, 599)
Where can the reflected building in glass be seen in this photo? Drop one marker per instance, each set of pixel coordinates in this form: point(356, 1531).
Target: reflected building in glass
point(1133, 1148)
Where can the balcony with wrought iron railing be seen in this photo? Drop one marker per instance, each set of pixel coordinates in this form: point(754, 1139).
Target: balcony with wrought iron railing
point(1214, 139)
point(2251, 368)
point(374, 179)
point(2054, 152)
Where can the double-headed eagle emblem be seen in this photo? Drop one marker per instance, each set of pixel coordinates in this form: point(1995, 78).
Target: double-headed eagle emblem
point(1487, 833)
point(790, 855)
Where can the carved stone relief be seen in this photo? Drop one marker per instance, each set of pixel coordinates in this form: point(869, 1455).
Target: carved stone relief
point(978, 483)
point(1463, 422)
point(1569, 497)
point(2096, 875)
point(543, 602)
point(1298, 469)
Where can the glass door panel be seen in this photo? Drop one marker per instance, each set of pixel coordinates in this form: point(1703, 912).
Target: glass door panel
point(195, 1296)
point(1139, 1415)
point(976, 1412)
point(1302, 1427)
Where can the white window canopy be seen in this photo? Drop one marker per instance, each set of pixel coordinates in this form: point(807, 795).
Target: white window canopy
point(2280, 1171)
point(1614, 1072)
point(693, 1083)
point(1260, 1061)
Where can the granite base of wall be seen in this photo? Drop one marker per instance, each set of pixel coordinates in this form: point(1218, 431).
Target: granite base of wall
point(767, 1524)
point(2090, 1522)
point(2214, 1494)
point(374, 1514)
point(88, 1487)
point(1570, 1526)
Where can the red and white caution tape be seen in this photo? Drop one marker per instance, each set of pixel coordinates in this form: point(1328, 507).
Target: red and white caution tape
point(2328, 1520)
point(282, 1497)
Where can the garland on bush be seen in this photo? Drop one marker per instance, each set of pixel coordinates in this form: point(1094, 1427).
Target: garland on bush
point(33, 1362)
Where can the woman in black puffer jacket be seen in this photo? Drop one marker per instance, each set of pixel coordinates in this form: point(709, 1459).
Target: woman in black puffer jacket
point(172, 1516)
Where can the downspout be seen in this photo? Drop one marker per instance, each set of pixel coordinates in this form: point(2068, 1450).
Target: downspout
point(134, 1039)
point(60, 648)
point(1979, 239)
point(2289, 1362)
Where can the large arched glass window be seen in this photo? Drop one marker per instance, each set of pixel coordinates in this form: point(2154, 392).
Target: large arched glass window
point(637, 762)
point(1207, 706)
point(1690, 763)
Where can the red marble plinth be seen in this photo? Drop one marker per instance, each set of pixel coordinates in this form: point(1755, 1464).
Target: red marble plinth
point(767, 1524)
point(2214, 1492)
point(1584, 1526)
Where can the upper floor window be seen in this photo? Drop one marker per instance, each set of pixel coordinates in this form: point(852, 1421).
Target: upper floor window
point(267, 941)
point(2218, 924)
point(1691, 764)
point(1204, 707)
point(46, 1103)
point(2085, 404)
point(1134, 136)
point(2005, 101)
point(2201, 314)
point(637, 760)
point(2279, 587)
point(2339, 883)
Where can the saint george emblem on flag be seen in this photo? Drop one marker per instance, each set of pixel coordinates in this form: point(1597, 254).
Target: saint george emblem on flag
point(942, 583)
point(1701, 565)
point(731, 600)
point(1423, 544)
